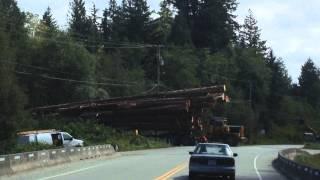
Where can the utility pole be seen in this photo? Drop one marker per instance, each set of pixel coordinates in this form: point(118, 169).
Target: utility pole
point(158, 68)
point(250, 91)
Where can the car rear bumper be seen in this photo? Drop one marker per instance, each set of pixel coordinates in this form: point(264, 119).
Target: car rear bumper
point(206, 170)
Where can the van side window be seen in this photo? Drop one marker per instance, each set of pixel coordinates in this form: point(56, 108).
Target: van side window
point(67, 137)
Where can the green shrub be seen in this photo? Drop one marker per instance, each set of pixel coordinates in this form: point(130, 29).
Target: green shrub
point(94, 133)
point(32, 147)
point(309, 160)
point(281, 135)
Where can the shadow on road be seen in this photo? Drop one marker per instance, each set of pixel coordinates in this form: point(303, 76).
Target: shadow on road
point(186, 177)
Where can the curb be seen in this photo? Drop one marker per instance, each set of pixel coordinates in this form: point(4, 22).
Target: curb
point(287, 166)
point(15, 163)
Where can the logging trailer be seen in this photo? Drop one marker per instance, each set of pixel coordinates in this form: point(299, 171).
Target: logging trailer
point(176, 115)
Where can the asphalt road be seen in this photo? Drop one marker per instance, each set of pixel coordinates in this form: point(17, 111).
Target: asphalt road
point(253, 163)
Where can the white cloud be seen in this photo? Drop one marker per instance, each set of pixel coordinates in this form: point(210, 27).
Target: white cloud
point(291, 28)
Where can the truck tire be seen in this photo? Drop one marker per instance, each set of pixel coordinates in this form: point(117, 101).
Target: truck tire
point(235, 142)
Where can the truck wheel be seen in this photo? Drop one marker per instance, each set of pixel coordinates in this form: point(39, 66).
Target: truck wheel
point(232, 176)
point(235, 143)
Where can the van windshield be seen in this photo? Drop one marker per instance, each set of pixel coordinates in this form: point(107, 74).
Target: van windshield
point(67, 137)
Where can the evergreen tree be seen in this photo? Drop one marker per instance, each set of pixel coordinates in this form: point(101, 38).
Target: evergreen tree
point(48, 20)
point(12, 98)
point(161, 27)
point(211, 23)
point(113, 22)
point(250, 35)
point(214, 24)
point(279, 87)
point(137, 15)
point(166, 20)
point(309, 82)
point(48, 25)
point(79, 23)
point(105, 25)
point(94, 33)
point(181, 32)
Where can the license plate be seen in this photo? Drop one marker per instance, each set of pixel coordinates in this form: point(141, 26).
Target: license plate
point(212, 163)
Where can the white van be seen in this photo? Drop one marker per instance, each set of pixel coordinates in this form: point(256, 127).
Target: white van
point(51, 137)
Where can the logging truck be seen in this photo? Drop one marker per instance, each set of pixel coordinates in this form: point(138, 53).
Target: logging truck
point(177, 115)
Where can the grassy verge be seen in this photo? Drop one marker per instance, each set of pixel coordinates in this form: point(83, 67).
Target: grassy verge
point(279, 135)
point(309, 160)
point(315, 146)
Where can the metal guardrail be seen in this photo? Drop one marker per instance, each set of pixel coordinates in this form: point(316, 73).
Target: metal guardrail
point(13, 163)
point(293, 170)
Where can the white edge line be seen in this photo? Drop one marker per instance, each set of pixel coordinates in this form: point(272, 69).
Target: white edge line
point(255, 167)
point(71, 172)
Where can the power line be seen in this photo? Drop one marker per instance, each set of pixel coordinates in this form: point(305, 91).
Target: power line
point(115, 45)
point(96, 46)
point(102, 41)
point(61, 72)
point(73, 80)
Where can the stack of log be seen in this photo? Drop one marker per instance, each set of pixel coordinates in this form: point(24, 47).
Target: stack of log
point(163, 111)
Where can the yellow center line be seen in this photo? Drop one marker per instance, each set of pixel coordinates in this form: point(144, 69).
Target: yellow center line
point(175, 172)
point(172, 171)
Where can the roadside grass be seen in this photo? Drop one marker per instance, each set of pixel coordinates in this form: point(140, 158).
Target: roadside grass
point(315, 146)
point(309, 160)
point(133, 142)
point(279, 135)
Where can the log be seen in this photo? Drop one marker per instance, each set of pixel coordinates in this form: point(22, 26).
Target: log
point(187, 93)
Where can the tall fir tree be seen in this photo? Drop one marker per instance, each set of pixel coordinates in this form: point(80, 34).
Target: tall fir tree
point(94, 39)
point(12, 98)
point(48, 20)
point(137, 15)
point(214, 24)
point(309, 82)
point(48, 25)
point(250, 35)
point(279, 86)
point(78, 22)
point(211, 23)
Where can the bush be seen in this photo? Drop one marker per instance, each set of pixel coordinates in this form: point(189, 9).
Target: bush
point(32, 147)
point(281, 135)
point(94, 133)
point(309, 160)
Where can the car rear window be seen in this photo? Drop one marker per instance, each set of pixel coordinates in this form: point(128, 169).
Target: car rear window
point(212, 149)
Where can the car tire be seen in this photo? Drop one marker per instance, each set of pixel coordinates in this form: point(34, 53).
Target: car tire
point(232, 177)
point(192, 176)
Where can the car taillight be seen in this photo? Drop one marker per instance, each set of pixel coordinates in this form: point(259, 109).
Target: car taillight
point(199, 160)
point(226, 162)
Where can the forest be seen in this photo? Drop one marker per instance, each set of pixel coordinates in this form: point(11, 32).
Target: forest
point(133, 50)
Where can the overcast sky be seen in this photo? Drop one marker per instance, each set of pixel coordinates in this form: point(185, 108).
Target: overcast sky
point(291, 27)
